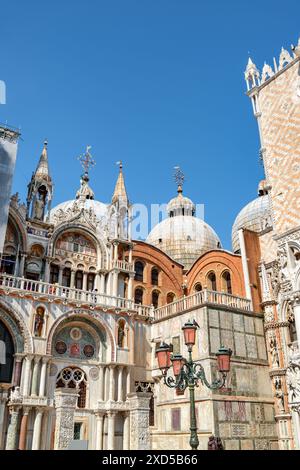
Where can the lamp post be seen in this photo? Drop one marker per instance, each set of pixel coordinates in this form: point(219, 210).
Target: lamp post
point(188, 373)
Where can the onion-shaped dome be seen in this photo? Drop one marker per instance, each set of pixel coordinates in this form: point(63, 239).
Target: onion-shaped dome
point(255, 216)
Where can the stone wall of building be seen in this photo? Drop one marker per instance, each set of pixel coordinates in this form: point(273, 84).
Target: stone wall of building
point(242, 413)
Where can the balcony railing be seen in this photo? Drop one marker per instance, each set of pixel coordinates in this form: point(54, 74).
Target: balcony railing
point(202, 298)
point(122, 265)
point(54, 291)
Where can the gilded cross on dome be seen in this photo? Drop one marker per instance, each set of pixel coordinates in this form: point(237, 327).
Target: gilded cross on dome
point(87, 160)
point(179, 178)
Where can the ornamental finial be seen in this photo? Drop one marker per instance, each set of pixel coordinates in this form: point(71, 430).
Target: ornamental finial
point(87, 160)
point(179, 178)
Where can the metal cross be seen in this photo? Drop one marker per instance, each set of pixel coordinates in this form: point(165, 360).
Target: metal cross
point(87, 160)
point(178, 176)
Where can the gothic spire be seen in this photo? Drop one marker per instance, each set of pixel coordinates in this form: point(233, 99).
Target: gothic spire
point(120, 190)
point(42, 169)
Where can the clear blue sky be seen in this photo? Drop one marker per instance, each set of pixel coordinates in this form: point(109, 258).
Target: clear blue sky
point(154, 83)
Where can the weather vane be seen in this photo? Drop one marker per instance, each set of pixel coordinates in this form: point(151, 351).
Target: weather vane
point(87, 160)
point(178, 176)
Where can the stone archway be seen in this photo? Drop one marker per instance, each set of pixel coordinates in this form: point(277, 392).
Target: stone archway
point(93, 317)
point(18, 328)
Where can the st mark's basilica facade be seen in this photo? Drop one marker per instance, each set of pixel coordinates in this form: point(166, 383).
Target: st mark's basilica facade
point(83, 306)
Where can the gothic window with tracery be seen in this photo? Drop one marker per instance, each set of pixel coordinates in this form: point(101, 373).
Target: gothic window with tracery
point(72, 377)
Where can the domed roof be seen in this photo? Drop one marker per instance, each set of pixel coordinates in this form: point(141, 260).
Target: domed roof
point(255, 216)
point(84, 200)
point(184, 238)
point(180, 205)
point(99, 208)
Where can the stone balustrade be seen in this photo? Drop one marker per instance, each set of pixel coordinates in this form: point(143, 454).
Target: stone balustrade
point(122, 265)
point(202, 298)
point(43, 290)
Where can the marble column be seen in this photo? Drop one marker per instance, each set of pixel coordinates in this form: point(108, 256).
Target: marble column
point(126, 433)
point(43, 377)
point(11, 439)
point(111, 416)
point(99, 430)
point(102, 283)
point(18, 370)
point(27, 373)
point(115, 283)
point(36, 438)
point(120, 383)
point(130, 287)
point(22, 265)
point(101, 383)
point(35, 376)
point(115, 251)
point(60, 275)
point(72, 281)
point(111, 383)
point(128, 382)
point(108, 285)
point(84, 282)
point(23, 429)
point(47, 271)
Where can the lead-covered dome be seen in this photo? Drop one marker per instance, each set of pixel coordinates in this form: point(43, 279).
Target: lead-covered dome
point(183, 236)
point(255, 216)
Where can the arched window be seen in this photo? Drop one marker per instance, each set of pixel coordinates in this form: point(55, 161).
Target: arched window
point(8, 260)
point(54, 273)
point(6, 355)
point(66, 279)
point(226, 282)
point(139, 271)
point(198, 287)
point(211, 281)
point(78, 279)
point(155, 298)
point(72, 377)
point(170, 297)
point(154, 276)
point(90, 281)
point(121, 334)
point(138, 295)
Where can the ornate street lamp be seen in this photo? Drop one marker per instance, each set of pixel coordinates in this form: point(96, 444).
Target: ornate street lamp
point(188, 373)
